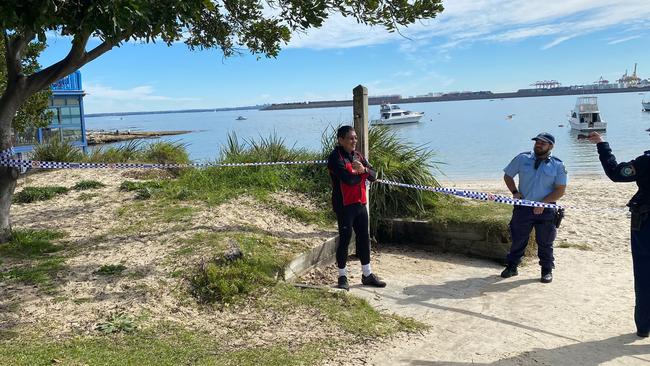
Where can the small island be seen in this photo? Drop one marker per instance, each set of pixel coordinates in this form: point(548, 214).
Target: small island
point(96, 137)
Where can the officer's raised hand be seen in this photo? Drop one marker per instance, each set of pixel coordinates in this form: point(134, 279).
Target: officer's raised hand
point(595, 137)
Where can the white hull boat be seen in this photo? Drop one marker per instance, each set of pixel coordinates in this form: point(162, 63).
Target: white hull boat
point(585, 116)
point(646, 106)
point(392, 114)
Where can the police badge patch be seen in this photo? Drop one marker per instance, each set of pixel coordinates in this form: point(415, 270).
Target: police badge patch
point(628, 171)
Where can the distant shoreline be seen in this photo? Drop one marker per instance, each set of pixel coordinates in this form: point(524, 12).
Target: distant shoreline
point(256, 107)
point(449, 97)
point(524, 93)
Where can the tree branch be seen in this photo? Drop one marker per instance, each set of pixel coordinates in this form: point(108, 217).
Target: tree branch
point(14, 52)
point(99, 50)
point(76, 58)
point(72, 61)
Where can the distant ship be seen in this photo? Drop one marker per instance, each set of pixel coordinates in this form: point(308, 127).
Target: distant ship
point(241, 118)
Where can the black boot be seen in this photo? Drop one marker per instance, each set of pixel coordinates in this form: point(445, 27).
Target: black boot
point(510, 271)
point(547, 275)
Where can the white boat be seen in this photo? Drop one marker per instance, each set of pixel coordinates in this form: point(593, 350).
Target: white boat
point(241, 118)
point(585, 116)
point(646, 105)
point(392, 114)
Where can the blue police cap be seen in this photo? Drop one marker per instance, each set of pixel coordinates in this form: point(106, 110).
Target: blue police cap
point(545, 136)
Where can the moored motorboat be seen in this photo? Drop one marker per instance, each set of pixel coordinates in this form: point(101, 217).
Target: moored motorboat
point(586, 116)
point(392, 114)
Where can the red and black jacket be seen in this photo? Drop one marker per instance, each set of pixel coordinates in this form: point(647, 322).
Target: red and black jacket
point(348, 187)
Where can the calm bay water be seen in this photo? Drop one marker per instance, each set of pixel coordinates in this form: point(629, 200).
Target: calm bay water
point(474, 139)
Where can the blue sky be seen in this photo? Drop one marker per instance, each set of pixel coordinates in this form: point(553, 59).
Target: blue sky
point(498, 45)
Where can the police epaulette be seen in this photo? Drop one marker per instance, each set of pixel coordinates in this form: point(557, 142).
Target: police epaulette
point(525, 152)
point(553, 157)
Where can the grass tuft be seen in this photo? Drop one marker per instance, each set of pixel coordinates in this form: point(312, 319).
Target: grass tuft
point(117, 323)
point(30, 243)
point(88, 184)
point(110, 269)
point(33, 194)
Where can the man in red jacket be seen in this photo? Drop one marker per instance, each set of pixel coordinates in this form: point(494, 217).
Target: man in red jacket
point(349, 171)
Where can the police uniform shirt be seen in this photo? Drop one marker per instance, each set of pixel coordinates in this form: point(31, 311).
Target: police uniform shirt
point(536, 183)
point(637, 170)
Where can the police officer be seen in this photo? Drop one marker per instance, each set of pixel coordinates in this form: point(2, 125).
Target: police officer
point(637, 170)
point(349, 171)
point(542, 178)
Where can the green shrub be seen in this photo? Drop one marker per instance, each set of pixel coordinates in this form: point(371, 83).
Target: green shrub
point(116, 323)
point(263, 149)
point(217, 184)
point(164, 152)
point(56, 150)
point(88, 184)
point(219, 280)
point(125, 153)
point(33, 194)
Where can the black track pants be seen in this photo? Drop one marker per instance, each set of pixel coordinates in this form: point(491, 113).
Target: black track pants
point(351, 217)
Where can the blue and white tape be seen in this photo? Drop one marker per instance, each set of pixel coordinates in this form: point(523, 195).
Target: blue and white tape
point(6, 154)
point(66, 165)
point(474, 195)
point(6, 160)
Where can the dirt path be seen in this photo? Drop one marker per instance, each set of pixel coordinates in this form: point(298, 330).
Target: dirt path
point(585, 317)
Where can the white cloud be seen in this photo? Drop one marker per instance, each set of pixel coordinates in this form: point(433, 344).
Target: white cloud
point(138, 93)
point(557, 41)
point(621, 40)
point(466, 21)
point(100, 98)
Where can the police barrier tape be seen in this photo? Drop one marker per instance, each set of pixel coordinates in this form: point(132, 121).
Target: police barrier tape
point(6, 154)
point(5, 160)
point(474, 195)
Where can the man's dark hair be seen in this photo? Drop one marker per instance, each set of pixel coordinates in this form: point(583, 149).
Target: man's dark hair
point(343, 131)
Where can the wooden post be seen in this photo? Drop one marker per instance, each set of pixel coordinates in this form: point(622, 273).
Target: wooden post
point(360, 115)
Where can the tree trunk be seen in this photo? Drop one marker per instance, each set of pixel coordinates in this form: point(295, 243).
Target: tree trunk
point(9, 103)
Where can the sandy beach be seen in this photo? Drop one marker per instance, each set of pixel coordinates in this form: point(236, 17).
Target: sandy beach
point(596, 214)
point(583, 318)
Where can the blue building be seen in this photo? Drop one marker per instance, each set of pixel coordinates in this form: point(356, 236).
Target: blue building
point(67, 124)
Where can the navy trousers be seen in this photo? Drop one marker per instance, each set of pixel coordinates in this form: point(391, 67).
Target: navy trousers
point(522, 223)
point(641, 266)
point(354, 216)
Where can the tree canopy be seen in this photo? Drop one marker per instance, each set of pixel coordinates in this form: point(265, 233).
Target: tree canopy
point(259, 26)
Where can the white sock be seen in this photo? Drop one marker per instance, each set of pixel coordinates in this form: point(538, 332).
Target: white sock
point(365, 268)
point(343, 271)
